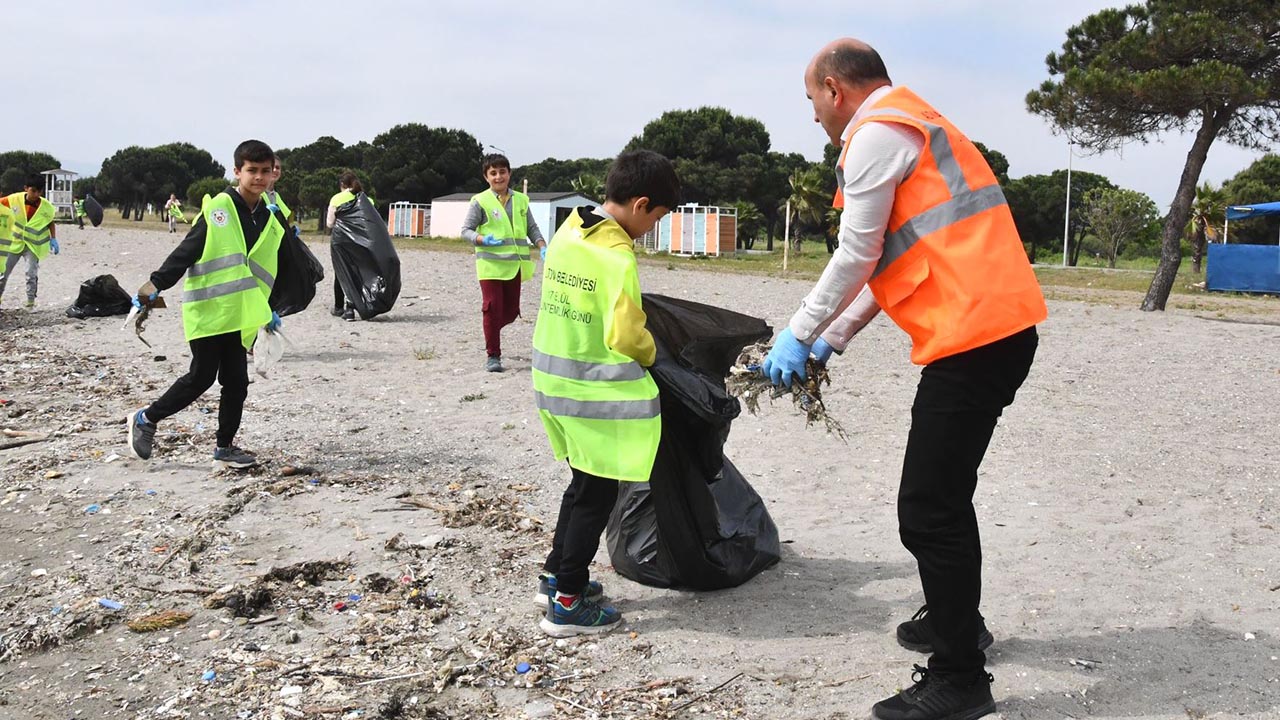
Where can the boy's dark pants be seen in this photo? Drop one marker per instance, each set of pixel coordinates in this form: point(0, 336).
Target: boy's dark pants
point(584, 513)
point(501, 307)
point(957, 403)
point(220, 357)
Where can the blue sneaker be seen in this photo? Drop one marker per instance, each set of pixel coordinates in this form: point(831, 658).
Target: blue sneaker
point(141, 435)
point(583, 617)
point(547, 590)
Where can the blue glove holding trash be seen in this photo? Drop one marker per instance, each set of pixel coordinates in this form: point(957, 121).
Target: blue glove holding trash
point(544, 253)
point(785, 362)
point(822, 351)
point(491, 240)
point(148, 290)
point(275, 323)
point(53, 245)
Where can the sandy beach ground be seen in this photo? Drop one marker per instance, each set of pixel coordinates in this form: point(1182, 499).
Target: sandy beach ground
point(1129, 506)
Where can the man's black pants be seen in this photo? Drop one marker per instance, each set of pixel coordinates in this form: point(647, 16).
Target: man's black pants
point(584, 513)
point(957, 403)
point(220, 357)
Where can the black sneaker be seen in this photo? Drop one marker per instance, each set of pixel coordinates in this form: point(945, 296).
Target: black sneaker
point(349, 315)
point(141, 434)
point(335, 311)
point(233, 457)
point(915, 634)
point(493, 364)
point(934, 697)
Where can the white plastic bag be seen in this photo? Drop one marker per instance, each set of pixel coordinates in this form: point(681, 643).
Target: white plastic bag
point(267, 351)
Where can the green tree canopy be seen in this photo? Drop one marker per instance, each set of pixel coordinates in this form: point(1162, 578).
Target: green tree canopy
point(416, 163)
point(708, 135)
point(17, 165)
point(1038, 203)
point(1260, 182)
point(1118, 217)
point(552, 175)
point(998, 162)
point(1207, 66)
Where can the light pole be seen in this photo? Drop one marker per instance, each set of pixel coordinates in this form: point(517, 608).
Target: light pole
point(1066, 216)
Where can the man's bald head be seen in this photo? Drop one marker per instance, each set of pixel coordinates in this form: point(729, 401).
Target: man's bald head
point(850, 61)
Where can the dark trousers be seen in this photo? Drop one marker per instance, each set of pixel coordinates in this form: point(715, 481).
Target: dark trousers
point(339, 297)
point(584, 513)
point(220, 357)
point(501, 307)
point(957, 403)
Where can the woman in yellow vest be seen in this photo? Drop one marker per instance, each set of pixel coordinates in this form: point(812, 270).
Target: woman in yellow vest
point(927, 237)
point(598, 404)
point(498, 225)
point(230, 258)
point(34, 234)
point(349, 187)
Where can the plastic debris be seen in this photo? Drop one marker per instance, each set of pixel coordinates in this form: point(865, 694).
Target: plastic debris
point(522, 667)
point(93, 509)
point(110, 604)
point(209, 676)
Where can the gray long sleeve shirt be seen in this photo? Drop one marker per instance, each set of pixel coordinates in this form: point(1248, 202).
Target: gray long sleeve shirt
point(475, 217)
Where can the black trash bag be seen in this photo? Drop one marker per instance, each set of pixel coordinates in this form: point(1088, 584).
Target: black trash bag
point(297, 275)
point(697, 523)
point(101, 296)
point(364, 259)
point(92, 210)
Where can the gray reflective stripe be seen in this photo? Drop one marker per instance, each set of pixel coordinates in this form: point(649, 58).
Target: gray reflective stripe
point(262, 274)
point(591, 372)
point(940, 146)
point(934, 219)
point(599, 409)
point(497, 256)
point(211, 266)
point(226, 288)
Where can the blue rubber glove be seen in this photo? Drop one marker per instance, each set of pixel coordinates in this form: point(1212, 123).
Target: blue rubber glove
point(544, 253)
point(822, 351)
point(53, 245)
point(273, 207)
point(275, 323)
point(491, 240)
point(785, 363)
point(151, 296)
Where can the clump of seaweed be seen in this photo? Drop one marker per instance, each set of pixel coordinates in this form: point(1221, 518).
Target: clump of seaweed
point(747, 383)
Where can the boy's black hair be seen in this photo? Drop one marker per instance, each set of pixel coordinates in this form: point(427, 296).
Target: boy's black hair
point(34, 180)
point(253, 151)
point(494, 160)
point(643, 173)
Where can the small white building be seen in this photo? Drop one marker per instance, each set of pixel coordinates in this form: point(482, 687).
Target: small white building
point(548, 210)
point(59, 190)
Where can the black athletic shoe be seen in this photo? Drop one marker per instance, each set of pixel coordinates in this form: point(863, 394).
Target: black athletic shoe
point(233, 457)
point(915, 634)
point(349, 315)
point(934, 697)
point(335, 311)
point(141, 435)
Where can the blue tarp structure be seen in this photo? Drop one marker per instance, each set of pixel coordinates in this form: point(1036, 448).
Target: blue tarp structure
point(1245, 268)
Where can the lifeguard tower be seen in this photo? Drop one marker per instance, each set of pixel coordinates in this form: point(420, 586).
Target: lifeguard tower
point(58, 190)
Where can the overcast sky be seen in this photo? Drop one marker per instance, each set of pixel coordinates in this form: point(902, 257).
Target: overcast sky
point(551, 78)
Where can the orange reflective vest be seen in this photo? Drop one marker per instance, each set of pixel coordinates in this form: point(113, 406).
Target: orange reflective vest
point(954, 274)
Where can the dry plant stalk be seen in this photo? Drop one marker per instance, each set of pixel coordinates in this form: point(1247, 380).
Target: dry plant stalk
point(748, 384)
point(159, 621)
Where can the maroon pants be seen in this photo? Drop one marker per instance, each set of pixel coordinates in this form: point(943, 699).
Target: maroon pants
point(501, 307)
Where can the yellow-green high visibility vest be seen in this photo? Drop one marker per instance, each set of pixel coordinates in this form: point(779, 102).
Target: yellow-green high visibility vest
point(8, 244)
point(278, 201)
point(600, 408)
point(227, 289)
point(33, 233)
point(341, 198)
point(501, 262)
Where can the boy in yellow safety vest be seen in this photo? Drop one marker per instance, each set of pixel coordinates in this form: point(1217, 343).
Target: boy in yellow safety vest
point(597, 402)
point(499, 226)
point(229, 257)
point(34, 234)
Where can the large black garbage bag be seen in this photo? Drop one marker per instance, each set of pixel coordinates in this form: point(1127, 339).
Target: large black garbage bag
point(364, 260)
point(92, 210)
point(697, 523)
point(297, 274)
point(101, 296)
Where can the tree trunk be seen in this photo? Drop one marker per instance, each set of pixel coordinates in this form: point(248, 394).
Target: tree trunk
point(1180, 210)
point(1197, 242)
